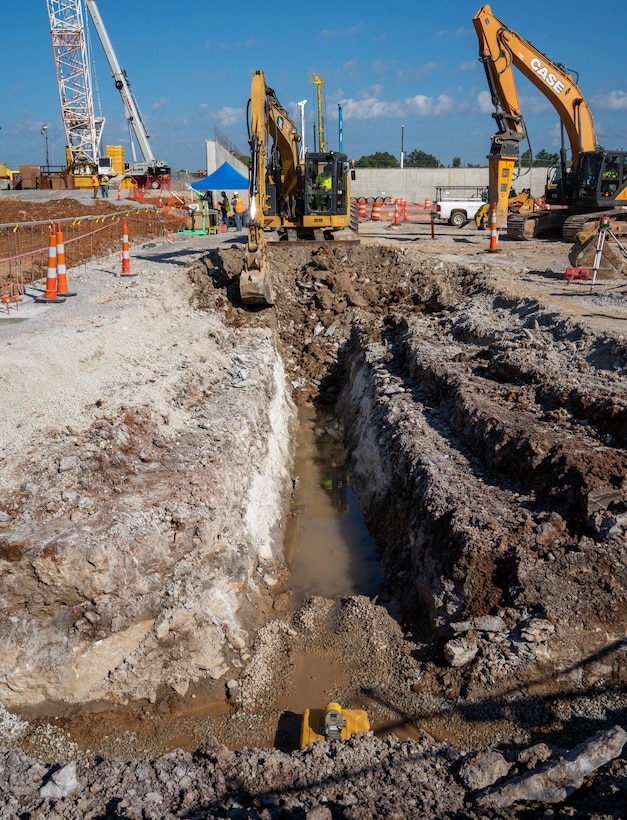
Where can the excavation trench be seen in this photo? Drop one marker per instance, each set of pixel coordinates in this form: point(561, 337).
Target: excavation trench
point(482, 436)
point(327, 546)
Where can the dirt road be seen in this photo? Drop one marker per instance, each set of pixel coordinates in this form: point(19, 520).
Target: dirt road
point(147, 432)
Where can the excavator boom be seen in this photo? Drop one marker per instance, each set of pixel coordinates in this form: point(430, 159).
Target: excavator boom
point(594, 181)
point(501, 50)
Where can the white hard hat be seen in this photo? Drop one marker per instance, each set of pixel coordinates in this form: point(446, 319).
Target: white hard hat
point(235, 193)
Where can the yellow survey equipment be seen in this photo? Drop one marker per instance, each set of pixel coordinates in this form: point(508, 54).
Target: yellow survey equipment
point(332, 723)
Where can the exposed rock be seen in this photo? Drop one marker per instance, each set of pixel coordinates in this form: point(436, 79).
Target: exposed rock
point(554, 782)
point(482, 770)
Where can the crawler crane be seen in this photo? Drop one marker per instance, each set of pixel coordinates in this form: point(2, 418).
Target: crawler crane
point(594, 183)
point(83, 129)
point(302, 199)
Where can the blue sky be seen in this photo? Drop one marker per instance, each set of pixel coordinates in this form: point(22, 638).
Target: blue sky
point(408, 69)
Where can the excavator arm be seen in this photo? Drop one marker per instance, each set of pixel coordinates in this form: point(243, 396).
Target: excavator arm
point(501, 50)
point(273, 140)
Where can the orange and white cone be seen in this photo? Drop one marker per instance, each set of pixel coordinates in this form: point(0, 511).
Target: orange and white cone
point(494, 237)
point(126, 257)
point(62, 289)
point(50, 294)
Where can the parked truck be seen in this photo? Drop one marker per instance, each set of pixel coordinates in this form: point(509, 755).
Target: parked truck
point(457, 205)
point(7, 177)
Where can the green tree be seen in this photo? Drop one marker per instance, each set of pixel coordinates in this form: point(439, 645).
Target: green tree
point(457, 162)
point(419, 159)
point(379, 160)
point(541, 160)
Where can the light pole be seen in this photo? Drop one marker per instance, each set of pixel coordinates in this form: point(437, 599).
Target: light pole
point(402, 146)
point(303, 149)
point(44, 132)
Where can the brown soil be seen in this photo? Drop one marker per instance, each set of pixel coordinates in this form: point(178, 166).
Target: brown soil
point(484, 405)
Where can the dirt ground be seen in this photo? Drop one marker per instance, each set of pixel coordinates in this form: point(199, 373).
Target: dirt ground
point(146, 451)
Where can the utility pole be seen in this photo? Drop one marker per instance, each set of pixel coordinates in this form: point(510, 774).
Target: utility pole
point(303, 148)
point(340, 127)
point(402, 146)
point(44, 133)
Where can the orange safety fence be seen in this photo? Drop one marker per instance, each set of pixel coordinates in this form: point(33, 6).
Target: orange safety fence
point(24, 246)
point(393, 210)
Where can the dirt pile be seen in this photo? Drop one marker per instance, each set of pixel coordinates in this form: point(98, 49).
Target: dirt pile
point(484, 410)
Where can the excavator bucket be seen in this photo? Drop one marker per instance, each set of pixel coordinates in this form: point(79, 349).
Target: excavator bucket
point(255, 287)
point(255, 281)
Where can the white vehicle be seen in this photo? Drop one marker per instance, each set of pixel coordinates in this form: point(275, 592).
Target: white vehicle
point(458, 205)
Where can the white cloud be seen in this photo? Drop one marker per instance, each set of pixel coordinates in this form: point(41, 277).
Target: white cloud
point(484, 102)
point(229, 116)
point(429, 106)
point(417, 72)
point(612, 101)
point(381, 66)
point(332, 33)
point(371, 108)
point(471, 65)
point(159, 103)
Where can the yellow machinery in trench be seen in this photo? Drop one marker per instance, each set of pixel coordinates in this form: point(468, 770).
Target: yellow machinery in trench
point(332, 723)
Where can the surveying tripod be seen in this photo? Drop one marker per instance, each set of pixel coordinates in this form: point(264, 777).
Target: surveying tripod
point(604, 229)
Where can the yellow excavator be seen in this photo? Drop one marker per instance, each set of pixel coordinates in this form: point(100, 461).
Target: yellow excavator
point(301, 195)
point(591, 185)
point(518, 203)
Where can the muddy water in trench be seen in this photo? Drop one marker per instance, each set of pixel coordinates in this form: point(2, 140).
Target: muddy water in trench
point(327, 544)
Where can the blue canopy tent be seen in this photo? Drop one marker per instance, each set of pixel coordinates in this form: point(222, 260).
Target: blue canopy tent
point(225, 178)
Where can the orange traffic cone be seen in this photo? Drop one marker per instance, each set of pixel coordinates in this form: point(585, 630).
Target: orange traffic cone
point(50, 294)
point(494, 237)
point(61, 274)
point(397, 210)
point(126, 257)
point(119, 193)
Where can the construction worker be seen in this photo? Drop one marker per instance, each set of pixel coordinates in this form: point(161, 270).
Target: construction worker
point(225, 207)
point(95, 184)
point(325, 178)
point(238, 210)
point(323, 186)
point(104, 187)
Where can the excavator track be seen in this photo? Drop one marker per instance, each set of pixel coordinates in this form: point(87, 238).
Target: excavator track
point(577, 223)
point(531, 225)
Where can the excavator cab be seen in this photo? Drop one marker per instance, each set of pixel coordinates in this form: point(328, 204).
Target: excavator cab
point(326, 184)
point(601, 179)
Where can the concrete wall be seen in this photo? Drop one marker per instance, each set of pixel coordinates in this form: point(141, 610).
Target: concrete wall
point(414, 184)
point(418, 184)
point(217, 154)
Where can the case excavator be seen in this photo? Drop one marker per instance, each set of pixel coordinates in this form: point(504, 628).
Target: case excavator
point(301, 197)
point(593, 184)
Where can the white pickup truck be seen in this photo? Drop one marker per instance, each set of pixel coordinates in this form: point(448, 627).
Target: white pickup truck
point(458, 205)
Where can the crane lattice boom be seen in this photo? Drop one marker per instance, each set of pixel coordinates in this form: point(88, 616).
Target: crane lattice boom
point(83, 129)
